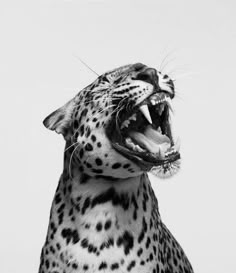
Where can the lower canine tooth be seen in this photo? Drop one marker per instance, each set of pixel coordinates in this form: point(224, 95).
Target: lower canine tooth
point(177, 144)
point(161, 153)
point(169, 102)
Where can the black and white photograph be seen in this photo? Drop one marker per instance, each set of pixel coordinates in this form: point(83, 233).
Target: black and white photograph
point(117, 132)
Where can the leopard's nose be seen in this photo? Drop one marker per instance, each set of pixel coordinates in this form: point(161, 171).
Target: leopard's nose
point(149, 75)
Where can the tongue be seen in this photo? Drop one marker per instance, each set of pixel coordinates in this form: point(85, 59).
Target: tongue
point(152, 141)
point(155, 136)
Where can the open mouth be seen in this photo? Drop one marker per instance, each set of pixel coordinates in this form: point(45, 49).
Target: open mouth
point(144, 135)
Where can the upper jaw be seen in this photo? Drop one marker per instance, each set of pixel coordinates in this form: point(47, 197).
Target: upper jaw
point(144, 135)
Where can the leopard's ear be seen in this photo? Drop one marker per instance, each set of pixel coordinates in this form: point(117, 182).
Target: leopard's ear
point(60, 120)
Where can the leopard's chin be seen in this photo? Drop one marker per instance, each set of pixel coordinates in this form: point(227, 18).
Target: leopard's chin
point(144, 136)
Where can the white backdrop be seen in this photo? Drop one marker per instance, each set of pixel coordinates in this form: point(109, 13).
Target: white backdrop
point(39, 71)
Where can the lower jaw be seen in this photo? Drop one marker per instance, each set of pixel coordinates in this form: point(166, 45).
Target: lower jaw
point(145, 162)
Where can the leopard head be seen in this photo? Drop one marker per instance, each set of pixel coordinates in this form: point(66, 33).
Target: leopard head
point(119, 126)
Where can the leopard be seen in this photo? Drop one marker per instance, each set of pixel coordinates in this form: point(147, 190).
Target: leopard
point(105, 215)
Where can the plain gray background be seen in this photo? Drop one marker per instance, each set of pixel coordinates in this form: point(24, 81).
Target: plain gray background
point(39, 71)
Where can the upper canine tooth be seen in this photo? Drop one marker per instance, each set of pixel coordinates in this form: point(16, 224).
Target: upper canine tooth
point(144, 109)
point(161, 109)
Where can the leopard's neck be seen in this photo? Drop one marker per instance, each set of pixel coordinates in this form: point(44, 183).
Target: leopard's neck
point(97, 204)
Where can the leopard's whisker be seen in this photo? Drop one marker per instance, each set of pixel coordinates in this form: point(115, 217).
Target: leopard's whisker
point(71, 145)
point(70, 161)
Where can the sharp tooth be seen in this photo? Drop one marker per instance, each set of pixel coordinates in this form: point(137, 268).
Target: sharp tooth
point(170, 118)
point(125, 124)
point(138, 149)
point(169, 102)
point(153, 102)
point(129, 143)
point(161, 152)
point(159, 130)
point(144, 109)
point(161, 109)
point(177, 144)
point(133, 117)
point(128, 140)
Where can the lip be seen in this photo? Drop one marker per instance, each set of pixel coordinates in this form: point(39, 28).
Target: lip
point(155, 110)
point(146, 162)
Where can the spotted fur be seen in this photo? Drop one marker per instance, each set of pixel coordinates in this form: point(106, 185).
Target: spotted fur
point(105, 215)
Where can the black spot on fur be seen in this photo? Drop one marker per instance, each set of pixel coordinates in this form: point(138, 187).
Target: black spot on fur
point(143, 231)
point(70, 235)
point(61, 208)
point(85, 267)
point(76, 124)
point(114, 266)
point(97, 170)
point(99, 226)
point(60, 218)
point(142, 262)
point(88, 147)
point(86, 205)
point(140, 251)
point(116, 166)
point(107, 224)
point(88, 165)
point(127, 240)
point(98, 161)
point(84, 243)
point(58, 246)
point(57, 198)
point(84, 112)
point(131, 265)
point(92, 248)
point(88, 132)
point(93, 138)
point(47, 264)
point(112, 196)
point(148, 242)
point(74, 266)
point(103, 265)
point(81, 130)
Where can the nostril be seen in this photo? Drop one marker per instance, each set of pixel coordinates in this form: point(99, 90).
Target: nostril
point(143, 77)
point(148, 75)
